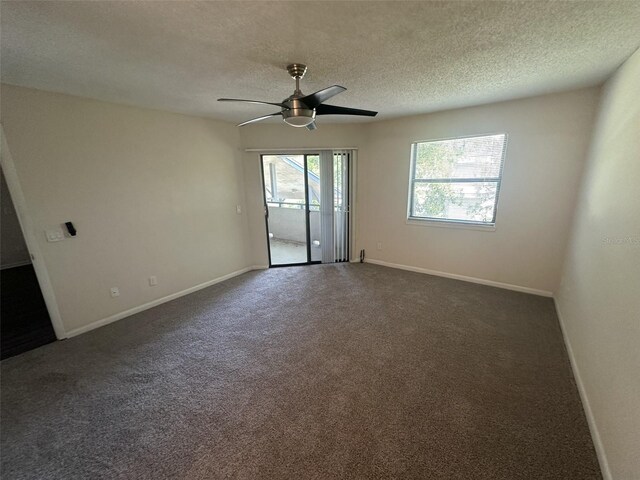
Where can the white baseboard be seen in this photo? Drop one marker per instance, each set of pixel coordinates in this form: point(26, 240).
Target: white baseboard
point(595, 434)
point(491, 283)
point(119, 316)
point(259, 267)
point(15, 264)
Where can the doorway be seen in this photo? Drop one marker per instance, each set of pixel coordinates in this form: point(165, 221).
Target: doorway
point(24, 319)
point(306, 201)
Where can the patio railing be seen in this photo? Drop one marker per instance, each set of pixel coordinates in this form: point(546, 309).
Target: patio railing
point(299, 206)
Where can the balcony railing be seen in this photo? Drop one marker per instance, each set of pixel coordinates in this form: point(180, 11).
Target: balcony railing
point(275, 204)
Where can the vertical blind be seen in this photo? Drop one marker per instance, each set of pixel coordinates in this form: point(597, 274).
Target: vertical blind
point(334, 205)
point(326, 206)
point(341, 204)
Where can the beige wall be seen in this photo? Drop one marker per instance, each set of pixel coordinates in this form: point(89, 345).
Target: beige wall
point(13, 250)
point(155, 193)
point(599, 298)
point(548, 138)
point(270, 136)
point(150, 193)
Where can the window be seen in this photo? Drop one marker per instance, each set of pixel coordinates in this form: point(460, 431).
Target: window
point(457, 180)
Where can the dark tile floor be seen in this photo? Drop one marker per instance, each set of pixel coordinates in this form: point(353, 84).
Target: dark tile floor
point(24, 320)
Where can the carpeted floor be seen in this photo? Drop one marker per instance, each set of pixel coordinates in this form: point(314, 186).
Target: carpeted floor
point(320, 372)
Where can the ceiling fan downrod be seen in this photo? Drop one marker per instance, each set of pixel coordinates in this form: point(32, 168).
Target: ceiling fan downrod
point(297, 71)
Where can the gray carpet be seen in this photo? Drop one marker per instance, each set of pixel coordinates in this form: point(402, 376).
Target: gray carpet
point(320, 372)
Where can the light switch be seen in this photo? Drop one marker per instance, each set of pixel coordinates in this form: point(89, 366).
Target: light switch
point(239, 209)
point(54, 235)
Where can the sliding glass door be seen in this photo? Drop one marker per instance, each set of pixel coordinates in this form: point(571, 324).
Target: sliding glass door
point(306, 207)
point(288, 206)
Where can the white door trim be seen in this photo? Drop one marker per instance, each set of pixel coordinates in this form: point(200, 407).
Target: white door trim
point(28, 231)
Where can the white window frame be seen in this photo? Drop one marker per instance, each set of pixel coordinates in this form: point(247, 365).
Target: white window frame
point(454, 223)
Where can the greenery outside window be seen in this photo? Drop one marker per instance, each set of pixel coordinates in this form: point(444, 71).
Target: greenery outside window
point(457, 180)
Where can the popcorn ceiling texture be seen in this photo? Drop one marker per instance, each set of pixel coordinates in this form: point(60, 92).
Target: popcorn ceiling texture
point(398, 58)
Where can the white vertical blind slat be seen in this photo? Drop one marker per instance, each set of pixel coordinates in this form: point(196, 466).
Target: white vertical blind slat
point(326, 207)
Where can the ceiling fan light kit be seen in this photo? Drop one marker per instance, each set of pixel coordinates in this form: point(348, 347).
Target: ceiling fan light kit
point(300, 110)
point(299, 117)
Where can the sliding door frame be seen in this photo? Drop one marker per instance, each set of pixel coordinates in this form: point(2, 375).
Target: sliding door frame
point(351, 231)
point(304, 154)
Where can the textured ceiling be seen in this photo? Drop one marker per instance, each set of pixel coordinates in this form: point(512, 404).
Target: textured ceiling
point(398, 58)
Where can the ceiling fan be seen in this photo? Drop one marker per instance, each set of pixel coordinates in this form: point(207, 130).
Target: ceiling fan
point(300, 110)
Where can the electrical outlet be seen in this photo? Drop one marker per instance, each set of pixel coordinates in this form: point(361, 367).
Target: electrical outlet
point(153, 281)
point(379, 245)
point(115, 292)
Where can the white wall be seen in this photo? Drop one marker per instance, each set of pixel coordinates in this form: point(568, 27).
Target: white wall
point(13, 249)
point(273, 136)
point(150, 193)
point(548, 137)
point(599, 298)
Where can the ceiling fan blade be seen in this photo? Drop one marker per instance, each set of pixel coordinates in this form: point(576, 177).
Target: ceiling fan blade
point(335, 110)
point(257, 102)
point(312, 126)
point(254, 120)
point(315, 99)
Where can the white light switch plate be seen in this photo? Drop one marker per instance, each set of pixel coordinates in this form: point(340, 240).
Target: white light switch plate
point(54, 234)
